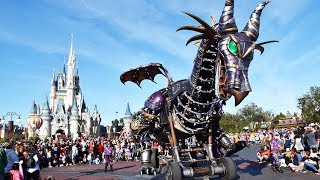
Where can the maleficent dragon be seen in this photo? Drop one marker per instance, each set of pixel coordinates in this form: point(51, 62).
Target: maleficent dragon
point(193, 106)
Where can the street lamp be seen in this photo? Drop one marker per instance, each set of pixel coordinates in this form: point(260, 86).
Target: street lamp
point(10, 122)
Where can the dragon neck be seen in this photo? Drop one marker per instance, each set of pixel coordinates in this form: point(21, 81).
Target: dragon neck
point(191, 110)
point(203, 74)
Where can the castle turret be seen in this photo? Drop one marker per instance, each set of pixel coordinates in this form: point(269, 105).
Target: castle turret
point(74, 119)
point(89, 122)
point(96, 119)
point(34, 108)
point(34, 120)
point(127, 119)
point(53, 90)
point(128, 113)
point(45, 129)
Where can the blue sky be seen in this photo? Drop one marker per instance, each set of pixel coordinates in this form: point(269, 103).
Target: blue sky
point(113, 36)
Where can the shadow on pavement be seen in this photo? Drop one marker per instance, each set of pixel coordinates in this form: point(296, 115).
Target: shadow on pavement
point(245, 166)
point(91, 172)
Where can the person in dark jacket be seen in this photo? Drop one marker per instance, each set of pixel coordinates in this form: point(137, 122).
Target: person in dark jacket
point(3, 161)
point(311, 138)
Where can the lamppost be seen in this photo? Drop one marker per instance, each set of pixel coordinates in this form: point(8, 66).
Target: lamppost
point(10, 122)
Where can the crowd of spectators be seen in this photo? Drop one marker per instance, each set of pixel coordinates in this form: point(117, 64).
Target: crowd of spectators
point(14, 156)
point(296, 148)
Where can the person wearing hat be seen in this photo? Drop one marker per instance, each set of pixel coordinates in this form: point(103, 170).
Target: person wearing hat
point(3, 162)
point(11, 158)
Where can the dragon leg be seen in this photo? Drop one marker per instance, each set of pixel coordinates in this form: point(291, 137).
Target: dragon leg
point(173, 137)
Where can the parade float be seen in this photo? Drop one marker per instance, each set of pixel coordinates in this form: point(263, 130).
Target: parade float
point(194, 106)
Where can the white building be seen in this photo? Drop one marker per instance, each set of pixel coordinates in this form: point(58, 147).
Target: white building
point(65, 111)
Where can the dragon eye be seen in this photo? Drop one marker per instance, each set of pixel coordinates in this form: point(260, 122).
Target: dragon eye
point(232, 46)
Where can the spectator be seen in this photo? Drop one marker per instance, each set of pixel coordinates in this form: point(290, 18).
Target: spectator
point(311, 163)
point(89, 158)
point(311, 138)
point(297, 142)
point(3, 162)
point(263, 154)
point(11, 158)
point(32, 166)
point(100, 150)
point(74, 153)
point(97, 160)
point(16, 173)
point(287, 143)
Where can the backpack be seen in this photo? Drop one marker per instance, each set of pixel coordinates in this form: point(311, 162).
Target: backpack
point(31, 163)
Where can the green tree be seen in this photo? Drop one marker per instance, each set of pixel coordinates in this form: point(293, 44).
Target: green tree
point(121, 122)
point(309, 104)
point(251, 113)
point(231, 123)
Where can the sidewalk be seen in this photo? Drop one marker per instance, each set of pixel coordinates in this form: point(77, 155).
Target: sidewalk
point(121, 170)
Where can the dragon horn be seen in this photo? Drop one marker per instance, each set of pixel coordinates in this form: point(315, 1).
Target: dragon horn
point(227, 23)
point(266, 42)
point(253, 25)
point(259, 45)
point(192, 28)
point(202, 22)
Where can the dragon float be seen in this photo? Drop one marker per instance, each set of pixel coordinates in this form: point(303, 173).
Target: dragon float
point(193, 107)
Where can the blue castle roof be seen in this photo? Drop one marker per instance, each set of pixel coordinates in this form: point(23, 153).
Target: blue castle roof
point(128, 112)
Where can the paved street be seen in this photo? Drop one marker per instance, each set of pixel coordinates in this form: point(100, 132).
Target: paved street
point(248, 169)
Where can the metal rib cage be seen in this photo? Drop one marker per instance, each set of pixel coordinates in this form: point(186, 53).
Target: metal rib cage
point(191, 110)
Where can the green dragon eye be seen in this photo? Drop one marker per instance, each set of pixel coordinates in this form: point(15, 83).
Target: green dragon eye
point(233, 47)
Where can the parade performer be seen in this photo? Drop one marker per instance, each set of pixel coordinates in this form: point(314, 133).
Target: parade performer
point(275, 150)
point(108, 155)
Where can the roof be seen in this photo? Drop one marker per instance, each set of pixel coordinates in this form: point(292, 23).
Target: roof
point(34, 108)
point(128, 112)
point(83, 106)
point(291, 121)
point(61, 106)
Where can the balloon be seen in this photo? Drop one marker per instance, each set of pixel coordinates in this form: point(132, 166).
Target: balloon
point(34, 122)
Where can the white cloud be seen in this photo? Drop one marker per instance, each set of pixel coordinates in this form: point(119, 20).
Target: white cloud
point(285, 11)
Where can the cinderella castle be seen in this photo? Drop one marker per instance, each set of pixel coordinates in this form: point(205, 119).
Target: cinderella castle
point(65, 111)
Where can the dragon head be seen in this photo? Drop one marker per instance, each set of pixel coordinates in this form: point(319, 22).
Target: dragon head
point(235, 49)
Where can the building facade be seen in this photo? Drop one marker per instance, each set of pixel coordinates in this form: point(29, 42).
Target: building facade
point(65, 111)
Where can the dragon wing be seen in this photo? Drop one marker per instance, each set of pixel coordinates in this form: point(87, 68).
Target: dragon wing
point(137, 75)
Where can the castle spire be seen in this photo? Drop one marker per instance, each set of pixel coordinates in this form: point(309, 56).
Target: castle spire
point(71, 65)
point(53, 81)
point(83, 106)
point(46, 109)
point(71, 54)
point(64, 65)
point(33, 107)
point(128, 112)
